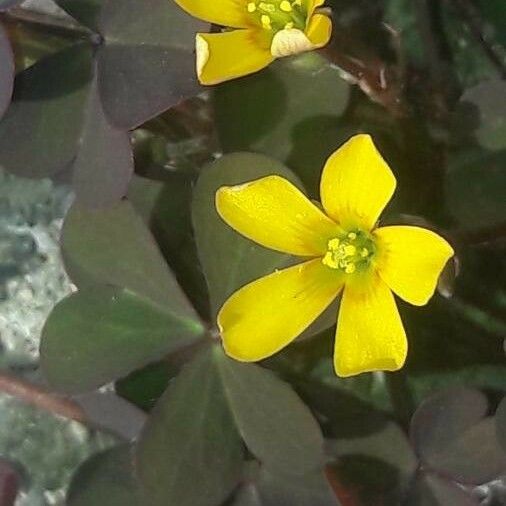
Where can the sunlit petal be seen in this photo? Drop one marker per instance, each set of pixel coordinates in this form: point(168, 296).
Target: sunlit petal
point(274, 213)
point(370, 335)
point(356, 184)
point(231, 13)
point(264, 316)
point(312, 5)
point(227, 55)
point(319, 30)
point(410, 260)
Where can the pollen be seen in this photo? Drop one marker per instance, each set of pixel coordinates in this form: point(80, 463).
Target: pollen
point(285, 6)
point(266, 7)
point(278, 15)
point(334, 243)
point(350, 268)
point(266, 21)
point(351, 252)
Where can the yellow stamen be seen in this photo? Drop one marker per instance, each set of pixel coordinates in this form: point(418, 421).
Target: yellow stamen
point(252, 7)
point(352, 236)
point(350, 268)
point(349, 250)
point(334, 243)
point(267, 7)
point(285, 6)
point(330, 261)
point(364, 253)
point(266, 21)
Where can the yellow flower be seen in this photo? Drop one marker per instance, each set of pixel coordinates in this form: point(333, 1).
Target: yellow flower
point(263, 31)
point(344, 251)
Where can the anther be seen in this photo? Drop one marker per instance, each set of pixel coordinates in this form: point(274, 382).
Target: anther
point(352, 236)
point(285, 6)
point(349, 250)
point(334, 243)
point(350, 268)
point(252, 7)
point(266, 21)
point(267, 7)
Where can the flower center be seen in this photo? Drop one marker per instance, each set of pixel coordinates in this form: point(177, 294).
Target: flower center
point(276, 15)
point(351, 252)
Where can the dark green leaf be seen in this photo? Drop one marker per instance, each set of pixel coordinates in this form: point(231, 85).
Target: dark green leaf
point(495, 15)
point(482, 112)
point(6, 71)
point(389, 445)
point(191, 453)
point(147, 63)
point(228, 259)
point(114, 246)
point(453, 436)
point(275, 424)
point(346, 415)
point(40, 132)
point(104, 164)
point(311, 489)
point(105, 479)
point(146, 386)
point(166, 207)
point(475, 188)
point(102, 333)
point(84, 11)
point(297, 122)
point(490, 377)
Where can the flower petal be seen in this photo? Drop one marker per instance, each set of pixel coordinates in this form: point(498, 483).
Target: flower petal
point(227, 55)
point(274, 213)
point(319, 30)
point(312, 5)
point(231, 13)
point(356, 184)
point(370, 335)
point(264, 316)
point(410, 260)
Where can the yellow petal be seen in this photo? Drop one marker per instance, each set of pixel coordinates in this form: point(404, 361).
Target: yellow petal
point(319, 30)
point(231, 13)
point(370, 335)
point(356, 184)
point(312, 5)
point(410, 260)
point(227, 55)
point(274, 213)
point(264, 316)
